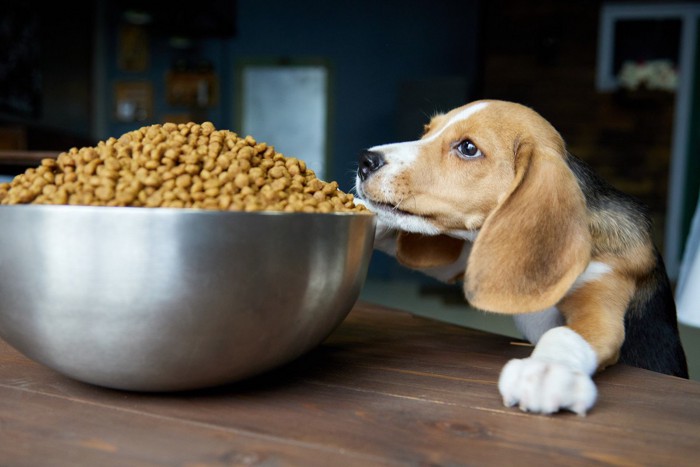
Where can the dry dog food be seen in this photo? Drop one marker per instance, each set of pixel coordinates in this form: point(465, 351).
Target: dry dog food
point(179, 165)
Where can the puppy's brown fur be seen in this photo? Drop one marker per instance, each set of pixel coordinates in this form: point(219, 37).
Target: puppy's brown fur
point(542, 217)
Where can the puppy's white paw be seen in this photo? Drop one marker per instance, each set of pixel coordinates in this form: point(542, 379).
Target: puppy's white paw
point(544, 386)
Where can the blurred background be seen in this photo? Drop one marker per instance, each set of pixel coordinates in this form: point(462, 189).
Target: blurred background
point(322, 80)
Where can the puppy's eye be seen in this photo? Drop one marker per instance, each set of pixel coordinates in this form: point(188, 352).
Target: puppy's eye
point(468, 150)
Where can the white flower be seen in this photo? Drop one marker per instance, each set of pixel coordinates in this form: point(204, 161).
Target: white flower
point(652, 74)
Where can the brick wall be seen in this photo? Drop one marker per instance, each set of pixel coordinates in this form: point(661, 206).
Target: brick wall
point(544, 55)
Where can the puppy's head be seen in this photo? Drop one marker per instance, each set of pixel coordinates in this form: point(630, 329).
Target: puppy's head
point(497, 169)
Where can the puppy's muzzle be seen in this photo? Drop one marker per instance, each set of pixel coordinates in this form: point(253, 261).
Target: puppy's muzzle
point(370, 161)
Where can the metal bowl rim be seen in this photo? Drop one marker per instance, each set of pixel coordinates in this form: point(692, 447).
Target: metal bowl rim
point(184, 211)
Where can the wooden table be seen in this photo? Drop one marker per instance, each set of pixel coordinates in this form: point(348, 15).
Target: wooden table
point(387, 388)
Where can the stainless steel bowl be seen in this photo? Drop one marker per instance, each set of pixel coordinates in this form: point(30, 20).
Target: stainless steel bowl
point(173, 299)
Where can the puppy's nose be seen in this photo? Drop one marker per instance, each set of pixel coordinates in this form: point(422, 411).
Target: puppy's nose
point(370, 161)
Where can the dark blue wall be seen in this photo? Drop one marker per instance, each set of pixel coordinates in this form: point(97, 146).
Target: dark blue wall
point(371, 46)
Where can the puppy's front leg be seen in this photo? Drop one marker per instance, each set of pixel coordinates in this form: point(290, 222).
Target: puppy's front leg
point(448, 268)
point(385, 238)
point(558, 373)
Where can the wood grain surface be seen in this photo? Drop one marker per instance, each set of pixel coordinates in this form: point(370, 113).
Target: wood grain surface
point(386, 388)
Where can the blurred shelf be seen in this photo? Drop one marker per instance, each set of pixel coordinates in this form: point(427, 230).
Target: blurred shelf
point(25, 157)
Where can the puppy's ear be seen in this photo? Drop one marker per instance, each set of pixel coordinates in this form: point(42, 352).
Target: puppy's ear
point(536, 242)
point(423, 251)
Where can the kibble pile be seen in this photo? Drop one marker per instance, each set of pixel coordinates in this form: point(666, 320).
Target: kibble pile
point(179, 165)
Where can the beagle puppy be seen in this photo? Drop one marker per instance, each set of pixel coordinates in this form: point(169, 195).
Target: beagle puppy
point(489, 196)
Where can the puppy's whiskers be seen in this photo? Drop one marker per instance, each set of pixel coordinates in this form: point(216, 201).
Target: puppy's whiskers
point(397, 206)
